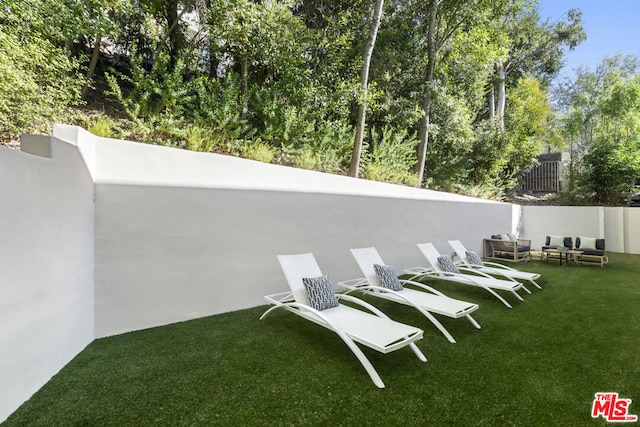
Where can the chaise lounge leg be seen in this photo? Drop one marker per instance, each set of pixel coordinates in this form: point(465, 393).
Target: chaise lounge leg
point(495, 294)
point(473, 321)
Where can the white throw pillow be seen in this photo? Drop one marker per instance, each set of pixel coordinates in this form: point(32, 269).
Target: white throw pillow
point(557, 241)
point(587, 243)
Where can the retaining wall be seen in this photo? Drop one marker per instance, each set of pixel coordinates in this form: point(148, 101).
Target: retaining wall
point(46, 265)
point(181, 234)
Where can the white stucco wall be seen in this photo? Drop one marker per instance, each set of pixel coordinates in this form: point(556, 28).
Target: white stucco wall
point(181, 235)
point(46, 267)
point(568, 221)
point(632, 230)
point(614, 229)
point(620, 227)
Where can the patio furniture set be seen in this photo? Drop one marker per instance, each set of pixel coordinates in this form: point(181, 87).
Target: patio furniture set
point(506, 247)
point(312, 295)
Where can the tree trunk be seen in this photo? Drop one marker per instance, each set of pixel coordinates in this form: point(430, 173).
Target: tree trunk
point(176, 40)
point(244, 84)
point(92, 65)
point(426, 104)
point(173, 41)
point(492, 103)
point(203, 7)
point(364, 79)
point(502, 96)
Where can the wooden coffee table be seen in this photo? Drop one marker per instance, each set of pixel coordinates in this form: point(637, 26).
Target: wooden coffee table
point(575, 254)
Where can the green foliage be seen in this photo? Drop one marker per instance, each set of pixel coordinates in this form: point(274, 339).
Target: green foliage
point(332, 142)
point(283, 123)
point(217, 106)
point(450, 159)
point(103, 125)
point(391, 156)
point(200, 139)
point(259, 151)
point(607, 175)
point(160, 92)
point(161, 99)
point(529, 110)
point(285, 76)
point(601, 119)
point(491, 190)
point(481, 159)
point(379, 172)
point(38, 81)
point(306, 158)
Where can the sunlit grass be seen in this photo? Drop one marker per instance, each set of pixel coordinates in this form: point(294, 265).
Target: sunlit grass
point(537, 364)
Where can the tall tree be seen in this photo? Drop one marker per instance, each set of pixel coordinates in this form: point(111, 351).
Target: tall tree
point(532, 48)
point(443, 21)
point(601, 116)
point(364, 81)
point(432, 51)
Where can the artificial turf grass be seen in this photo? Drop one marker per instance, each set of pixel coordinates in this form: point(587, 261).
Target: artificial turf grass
point(539, 363)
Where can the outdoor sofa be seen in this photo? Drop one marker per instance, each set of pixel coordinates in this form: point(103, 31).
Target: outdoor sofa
point(593, 250)
point(506, 247)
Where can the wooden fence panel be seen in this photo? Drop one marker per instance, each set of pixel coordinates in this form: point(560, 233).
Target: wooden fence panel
point(544, 177)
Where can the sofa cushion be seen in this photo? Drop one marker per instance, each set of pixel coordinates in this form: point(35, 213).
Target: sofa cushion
point(568, 243)
point(593, 252)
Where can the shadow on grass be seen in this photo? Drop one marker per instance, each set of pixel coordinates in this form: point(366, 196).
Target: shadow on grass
point(539, 363)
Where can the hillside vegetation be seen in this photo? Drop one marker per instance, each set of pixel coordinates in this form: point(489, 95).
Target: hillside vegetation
point(451, 95)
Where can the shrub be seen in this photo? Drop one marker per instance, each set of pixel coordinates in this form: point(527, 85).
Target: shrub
point(307, 158)
point(390, 157)
point(259, 151)
point(484, 191)
point(37, 82)
point(332, 142)
point(381, 172)
point(199, 139)
point(102, 125)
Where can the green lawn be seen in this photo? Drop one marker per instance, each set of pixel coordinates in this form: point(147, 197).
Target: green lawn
point(537, 364)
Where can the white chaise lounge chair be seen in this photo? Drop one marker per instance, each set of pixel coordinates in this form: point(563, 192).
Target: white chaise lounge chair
point(462, 275)
point(375, 330)
point(426, 300)
point(473, 260)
